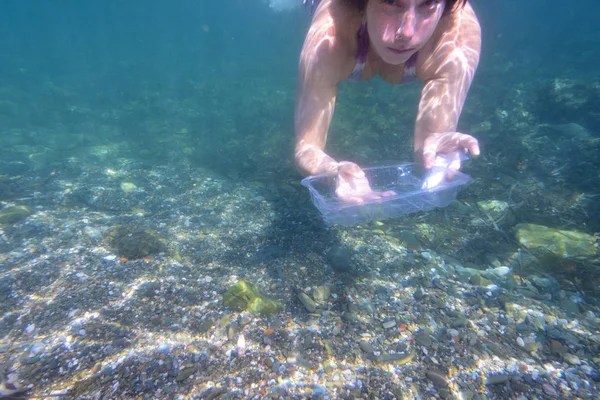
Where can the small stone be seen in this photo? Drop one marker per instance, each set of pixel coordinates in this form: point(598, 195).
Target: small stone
point(418, 294)
point(497, 349)
point(244, 295)
point(571, 359)
point(163, 348)
point(31, 360)
point(438, 379)
point(549, 390)
point(459, 322)
point(36, 348)
point(500, 271)
point(389, 324)
point(321, 294)
point(532, 346)
point(128, 187)
point(308, 303)
point(339, 258)
point(569, 305)
point(366, 347)
point(424, 339)
point(185, 373)
point(497, 379)
point(395, 358)
point(479, 280)
point(304, 363)
point(520, 387)
point(11, 215)
point(466, 394)
point(349, 316)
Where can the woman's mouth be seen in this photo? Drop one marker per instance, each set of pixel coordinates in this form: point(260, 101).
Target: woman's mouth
point(400, 51)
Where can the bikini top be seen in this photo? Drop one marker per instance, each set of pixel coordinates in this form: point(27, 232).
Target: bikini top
point(362, 36)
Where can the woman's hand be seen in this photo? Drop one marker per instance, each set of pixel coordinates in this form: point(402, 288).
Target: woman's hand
point(353, 186)
point(447, 143)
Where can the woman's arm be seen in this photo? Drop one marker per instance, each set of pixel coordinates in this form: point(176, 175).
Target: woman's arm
point(447, 70)
point(321, 69)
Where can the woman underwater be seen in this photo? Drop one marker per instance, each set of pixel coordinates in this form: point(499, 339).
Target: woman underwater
point(436, 41)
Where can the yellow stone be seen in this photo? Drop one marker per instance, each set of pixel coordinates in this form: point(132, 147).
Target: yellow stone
point(128, 187)
point(10, 215)
point(245, 296)
point(561, 243)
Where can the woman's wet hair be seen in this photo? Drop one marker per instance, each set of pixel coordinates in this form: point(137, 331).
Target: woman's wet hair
point(451, 5)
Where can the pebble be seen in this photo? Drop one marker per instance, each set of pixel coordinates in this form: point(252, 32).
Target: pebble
point(349, 316)
point(31, 360)
point(438, 379)
point(497, 379)
point(304, 363)
point(549, 390)
point(570, 306)
point(366, 347)
point(396, 358)
point(321, 293)
point(163, 348)
point(500, 271)
point(571, 359)
point(389, 324)
point(424, 339)
point(185, 373)
point(37, 348)
point(418, 294)
point(459, 322)
point(452, 332)
point(308, 303)
point(339, 258)
point(479, 280)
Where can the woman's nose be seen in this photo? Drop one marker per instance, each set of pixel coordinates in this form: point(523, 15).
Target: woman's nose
point(406, 30)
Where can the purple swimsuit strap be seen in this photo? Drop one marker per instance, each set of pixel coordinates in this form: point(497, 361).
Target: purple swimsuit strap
point(362, 38)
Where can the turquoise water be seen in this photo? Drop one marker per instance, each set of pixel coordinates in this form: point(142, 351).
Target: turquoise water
point(146, 166)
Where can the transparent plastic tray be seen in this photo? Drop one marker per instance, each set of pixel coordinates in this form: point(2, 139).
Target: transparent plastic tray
point(405, 179)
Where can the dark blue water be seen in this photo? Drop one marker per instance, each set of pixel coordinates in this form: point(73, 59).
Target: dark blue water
point(218, 59)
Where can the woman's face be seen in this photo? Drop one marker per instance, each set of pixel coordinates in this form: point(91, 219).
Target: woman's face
point(399, 28)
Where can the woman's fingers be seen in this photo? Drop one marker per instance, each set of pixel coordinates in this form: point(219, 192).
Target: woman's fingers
point(448, 142)
point(470, 143)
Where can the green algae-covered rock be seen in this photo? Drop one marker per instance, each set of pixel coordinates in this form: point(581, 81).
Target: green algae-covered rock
point(245, 296)
point(560, 243)
point(133, 242)
point(11, 215)
point(497, 210)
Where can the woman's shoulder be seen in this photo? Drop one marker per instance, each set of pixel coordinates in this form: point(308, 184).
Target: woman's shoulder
point(458, 26)
point(458, 30)
point(336, 22)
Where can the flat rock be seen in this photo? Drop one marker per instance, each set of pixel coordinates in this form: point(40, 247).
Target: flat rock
point(560, 243)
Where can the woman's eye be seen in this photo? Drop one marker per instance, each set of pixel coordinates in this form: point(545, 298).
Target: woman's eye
point(431, 3)
point(390, 2)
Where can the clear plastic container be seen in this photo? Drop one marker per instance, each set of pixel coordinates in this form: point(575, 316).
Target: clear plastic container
point(405, 179)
